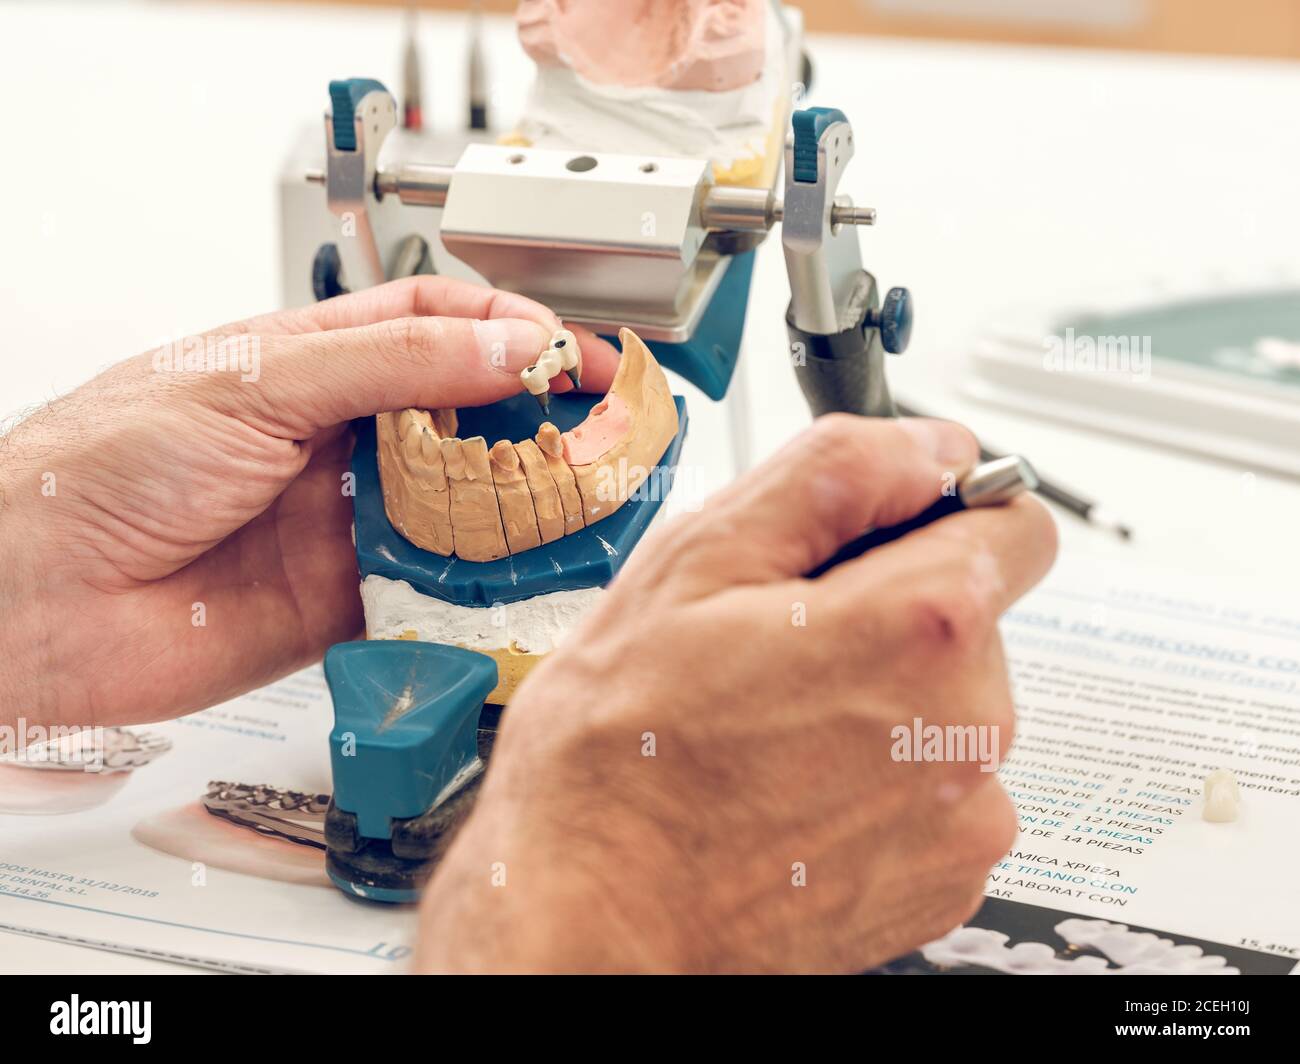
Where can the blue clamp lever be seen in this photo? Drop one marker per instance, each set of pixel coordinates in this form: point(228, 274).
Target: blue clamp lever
point(346, 95)
point(809, 125)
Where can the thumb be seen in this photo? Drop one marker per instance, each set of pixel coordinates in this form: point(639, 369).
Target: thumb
point(310, 381)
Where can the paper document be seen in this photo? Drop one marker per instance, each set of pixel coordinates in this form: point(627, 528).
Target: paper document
point(1131, 687)
point(153, 871)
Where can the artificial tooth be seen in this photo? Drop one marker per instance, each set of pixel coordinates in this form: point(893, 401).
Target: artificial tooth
point(518, 517)
point(388, 442)
point(409, 435)
point(552, 447)
point(546, 496)
point(413, 481)
point(475, 510)
point(549, 440)
point(453, 457)
point(565, 344)
point(1221, 797)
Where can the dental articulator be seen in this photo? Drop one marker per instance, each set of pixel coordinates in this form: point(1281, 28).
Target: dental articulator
point(629, 198)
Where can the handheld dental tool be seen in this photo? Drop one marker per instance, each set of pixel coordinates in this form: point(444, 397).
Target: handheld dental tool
point(1092, 512)
point(988, 484)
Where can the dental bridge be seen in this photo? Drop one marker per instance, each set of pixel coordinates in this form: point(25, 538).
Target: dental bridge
point(476, 556)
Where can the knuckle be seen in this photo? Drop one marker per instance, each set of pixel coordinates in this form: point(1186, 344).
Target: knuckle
point(700, 535)
point(843, 437)
point(836, 428)
point(953, 618)
point(398, 334)
point(850, 448)
point(417, 339)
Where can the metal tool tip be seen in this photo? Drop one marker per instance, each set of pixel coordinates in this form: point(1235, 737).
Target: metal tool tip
point(1103, 518)
point(998, 481)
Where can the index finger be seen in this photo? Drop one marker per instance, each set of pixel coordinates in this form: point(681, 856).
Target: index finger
point(410, 297)
point(419, 297)
point(791, 513)
point(978, 561)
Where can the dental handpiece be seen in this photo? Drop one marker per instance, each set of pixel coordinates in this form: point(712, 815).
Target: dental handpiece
point(988, 484)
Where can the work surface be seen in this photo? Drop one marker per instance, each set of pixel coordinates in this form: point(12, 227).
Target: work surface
point(142, 183)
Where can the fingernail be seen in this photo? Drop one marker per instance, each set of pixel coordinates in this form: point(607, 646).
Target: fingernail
point(947, 442)
point(509, 344)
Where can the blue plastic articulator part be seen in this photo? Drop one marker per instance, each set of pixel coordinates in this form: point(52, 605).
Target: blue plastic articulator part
point(405, 724)
point(345, 97)
point(809, 125)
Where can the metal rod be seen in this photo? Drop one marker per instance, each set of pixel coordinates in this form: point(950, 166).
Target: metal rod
point(726, 208)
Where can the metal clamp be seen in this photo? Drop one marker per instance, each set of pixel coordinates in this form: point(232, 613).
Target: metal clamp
point(364, 113)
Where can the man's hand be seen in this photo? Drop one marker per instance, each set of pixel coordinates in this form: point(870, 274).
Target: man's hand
point(701, 777)
point(170, 538)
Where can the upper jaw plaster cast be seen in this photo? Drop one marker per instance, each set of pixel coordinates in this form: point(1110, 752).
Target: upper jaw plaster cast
point(712, 45)
point(697, 78)
point(453, 496)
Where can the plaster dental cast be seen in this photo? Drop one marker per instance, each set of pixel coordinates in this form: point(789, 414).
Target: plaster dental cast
point(771, 830)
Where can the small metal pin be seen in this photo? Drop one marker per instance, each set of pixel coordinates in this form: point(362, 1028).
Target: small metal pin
point(544, 401)
point(574, 376)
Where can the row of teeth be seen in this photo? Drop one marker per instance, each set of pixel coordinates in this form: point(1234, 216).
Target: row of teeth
point(483, 503)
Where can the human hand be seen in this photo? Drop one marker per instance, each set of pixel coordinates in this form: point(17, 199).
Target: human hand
point(146, 502)
point(767, 702)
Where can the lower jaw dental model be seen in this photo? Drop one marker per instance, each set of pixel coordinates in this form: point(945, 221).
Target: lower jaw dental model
point(476, 561)
point(458, 498)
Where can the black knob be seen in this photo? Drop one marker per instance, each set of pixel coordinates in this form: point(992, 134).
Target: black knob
point(326, 268)
point(894, 320)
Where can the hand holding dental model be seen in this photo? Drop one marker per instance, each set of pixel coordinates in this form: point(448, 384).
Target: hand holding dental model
point(768, 826)
point(170, 539)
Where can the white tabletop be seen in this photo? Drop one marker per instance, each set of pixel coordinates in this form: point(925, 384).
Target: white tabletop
point(146, 139)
